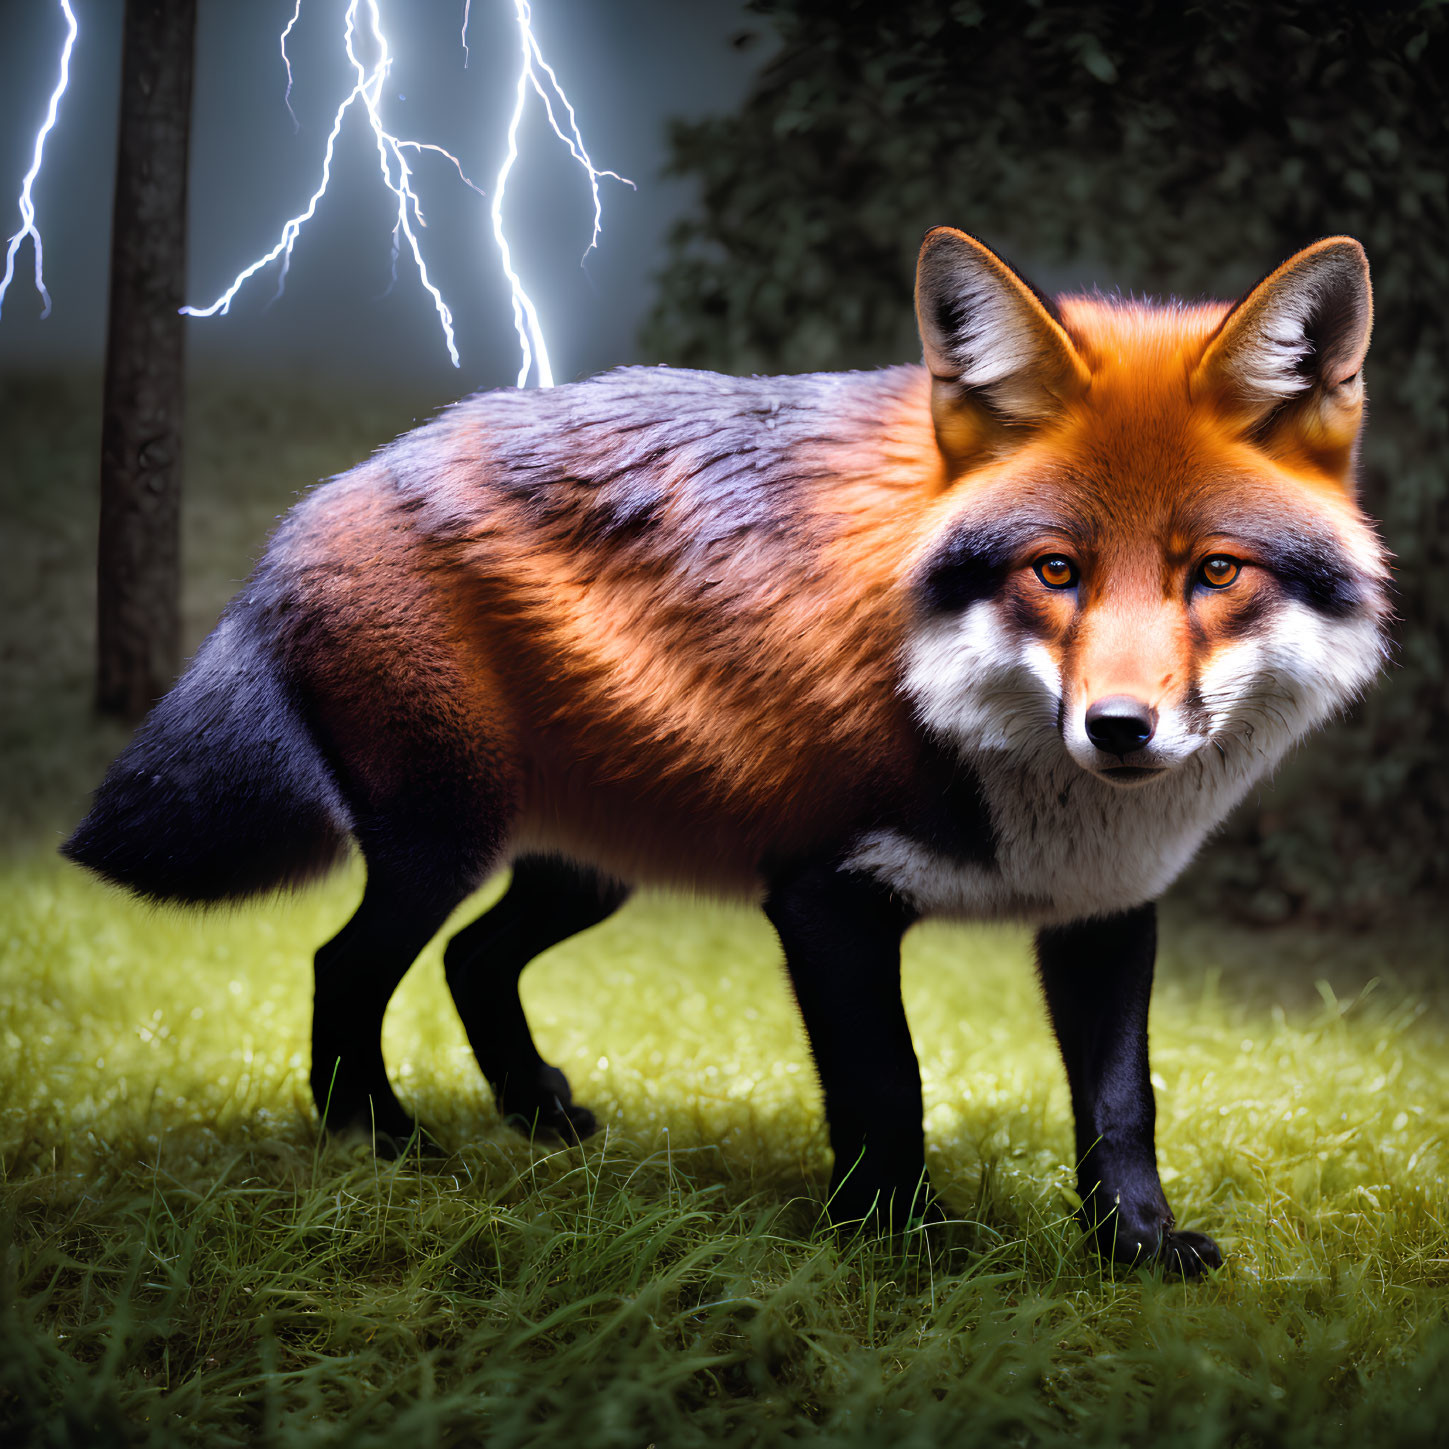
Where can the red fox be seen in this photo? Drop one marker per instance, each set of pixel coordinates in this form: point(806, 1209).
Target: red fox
point(1000, 636)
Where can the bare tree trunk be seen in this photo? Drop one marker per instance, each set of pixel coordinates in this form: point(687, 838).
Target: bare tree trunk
point(139, 570)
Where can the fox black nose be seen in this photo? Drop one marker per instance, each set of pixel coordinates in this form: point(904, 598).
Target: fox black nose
point(1120, 724)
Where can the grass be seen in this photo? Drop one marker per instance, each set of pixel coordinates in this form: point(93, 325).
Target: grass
point(183, 1262)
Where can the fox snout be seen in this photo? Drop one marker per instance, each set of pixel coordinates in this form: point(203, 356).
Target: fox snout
point(1120, 729)
point(1126, 739)
point(1124, 719)
point(1120, 724)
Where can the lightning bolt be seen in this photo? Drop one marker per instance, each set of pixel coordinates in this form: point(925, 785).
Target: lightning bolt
point(396, 174)
point(27, 205)
point(287, 62)
point(535, 73)
point(525, 315)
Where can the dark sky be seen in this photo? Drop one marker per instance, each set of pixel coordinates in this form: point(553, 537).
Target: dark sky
point(627, 65)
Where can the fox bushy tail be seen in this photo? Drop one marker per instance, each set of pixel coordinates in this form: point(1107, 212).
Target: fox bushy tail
point(223, 791)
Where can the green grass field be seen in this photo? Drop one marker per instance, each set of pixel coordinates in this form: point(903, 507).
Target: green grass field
point(185, 1263)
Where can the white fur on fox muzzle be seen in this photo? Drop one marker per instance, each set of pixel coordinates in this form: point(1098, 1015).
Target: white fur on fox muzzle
point(1264, 693)
point(973, 681)
point(1106, 752)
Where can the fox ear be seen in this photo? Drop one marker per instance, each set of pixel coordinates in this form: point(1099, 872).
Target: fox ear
point(1296, 342)
point(990, 341)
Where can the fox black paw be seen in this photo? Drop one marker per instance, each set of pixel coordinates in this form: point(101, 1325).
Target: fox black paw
point(560, 1119)
point(853, 1209)
point(390, 1135)
point(1176, 1253)
point(1188, 1255)
point(548, 1109)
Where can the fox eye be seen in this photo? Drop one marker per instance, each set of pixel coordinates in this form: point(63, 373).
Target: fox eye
point(1219, 571)
point(1055, 571)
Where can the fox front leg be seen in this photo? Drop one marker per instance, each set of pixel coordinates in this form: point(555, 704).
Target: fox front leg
point(1098, 980)
point(842, 938)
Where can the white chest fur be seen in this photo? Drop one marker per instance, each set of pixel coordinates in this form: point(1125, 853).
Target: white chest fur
point(1068, 845)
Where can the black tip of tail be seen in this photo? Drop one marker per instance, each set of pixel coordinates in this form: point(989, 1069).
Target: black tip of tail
point(141, 835)
point(222, 793)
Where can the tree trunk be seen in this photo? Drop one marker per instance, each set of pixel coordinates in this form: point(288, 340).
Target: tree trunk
point(139, 571)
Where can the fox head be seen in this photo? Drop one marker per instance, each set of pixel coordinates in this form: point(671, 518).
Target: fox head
point(1150, 550)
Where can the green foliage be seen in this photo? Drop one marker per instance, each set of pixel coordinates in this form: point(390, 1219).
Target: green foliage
point(1163, 148)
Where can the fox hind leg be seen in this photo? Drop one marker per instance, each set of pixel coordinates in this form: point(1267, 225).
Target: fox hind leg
point(384, 658)
point(357, 972)
point(429, 840)
point(548, 901)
